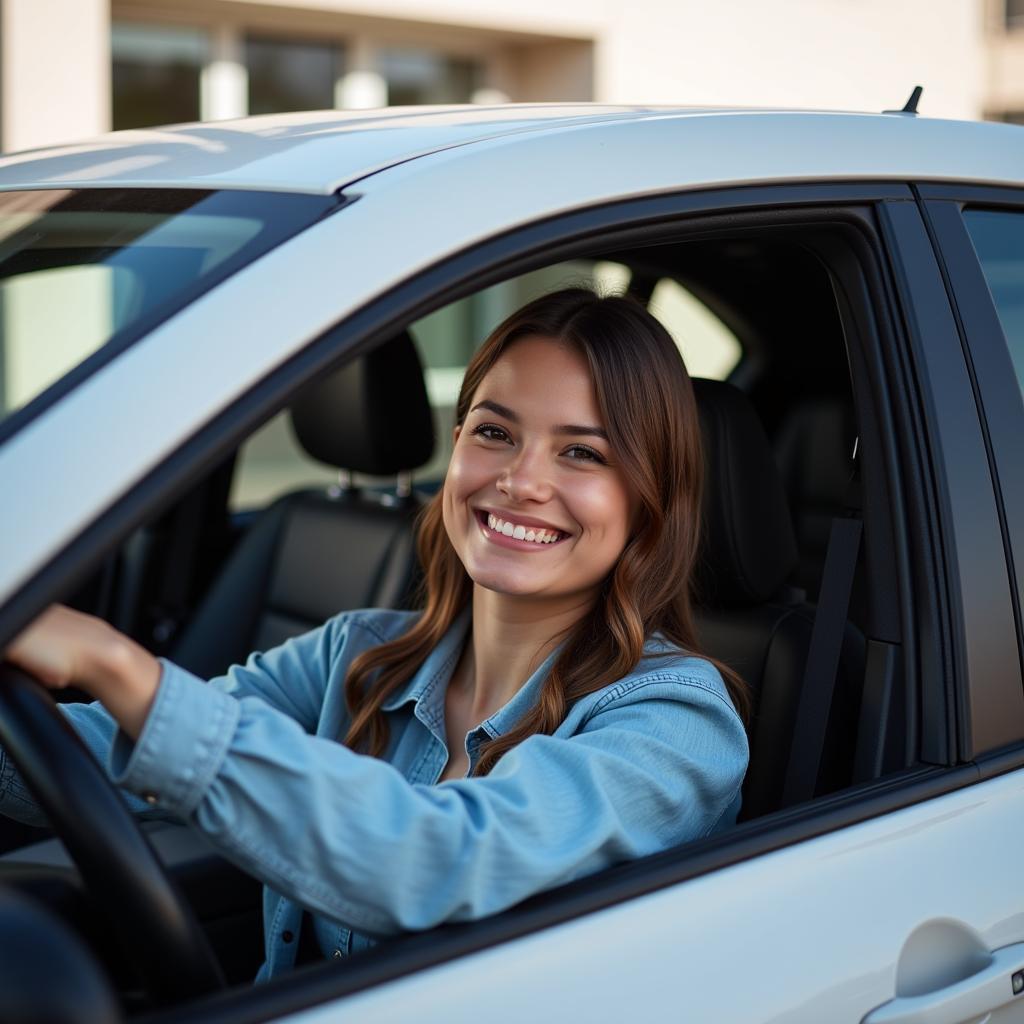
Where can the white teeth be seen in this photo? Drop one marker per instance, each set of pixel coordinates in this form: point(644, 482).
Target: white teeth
point(519, 532)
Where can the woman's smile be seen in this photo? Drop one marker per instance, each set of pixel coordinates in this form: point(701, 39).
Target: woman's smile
point(519, 532)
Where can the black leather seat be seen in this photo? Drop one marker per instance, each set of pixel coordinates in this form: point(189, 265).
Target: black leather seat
point(313, 553)
point(747, 613)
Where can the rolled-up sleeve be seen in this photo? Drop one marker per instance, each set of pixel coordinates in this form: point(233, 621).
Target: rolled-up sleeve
point(290, 678)
point(656, 763)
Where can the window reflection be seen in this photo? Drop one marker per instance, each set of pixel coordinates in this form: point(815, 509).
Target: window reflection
point(423, 76)
point(155, 74)
point(291, 74)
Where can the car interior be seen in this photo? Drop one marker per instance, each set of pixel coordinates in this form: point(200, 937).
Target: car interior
point(316, 513)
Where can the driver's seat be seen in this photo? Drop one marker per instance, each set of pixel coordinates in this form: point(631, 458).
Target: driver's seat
point(314, 553)
point(748, 615)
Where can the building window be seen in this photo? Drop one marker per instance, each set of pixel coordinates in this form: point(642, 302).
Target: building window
point(291, 74)
point(155, 74)
point(423, 76)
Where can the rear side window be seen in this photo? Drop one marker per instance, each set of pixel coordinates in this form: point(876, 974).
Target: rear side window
point(998, 238)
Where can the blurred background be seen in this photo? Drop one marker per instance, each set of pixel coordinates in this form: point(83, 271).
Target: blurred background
point(72, 68)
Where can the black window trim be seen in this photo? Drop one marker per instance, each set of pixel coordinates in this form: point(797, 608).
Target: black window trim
point(447, 281)
point(997, 388)
point(985, 674)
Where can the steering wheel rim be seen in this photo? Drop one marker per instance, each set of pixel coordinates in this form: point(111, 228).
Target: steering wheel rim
point(157, 928)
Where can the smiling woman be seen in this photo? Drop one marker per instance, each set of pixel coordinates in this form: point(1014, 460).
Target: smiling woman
point(546, 715)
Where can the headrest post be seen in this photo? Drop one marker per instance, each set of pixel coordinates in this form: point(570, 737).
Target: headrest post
point(403, 486)
point(344, 484)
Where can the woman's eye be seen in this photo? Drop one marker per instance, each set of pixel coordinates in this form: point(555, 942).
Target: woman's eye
point(491, 432)
point(585, 454)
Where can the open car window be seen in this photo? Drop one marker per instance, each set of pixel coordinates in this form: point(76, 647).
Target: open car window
point(272, 461)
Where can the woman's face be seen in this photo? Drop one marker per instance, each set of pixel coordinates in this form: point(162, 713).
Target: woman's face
point(534, 503)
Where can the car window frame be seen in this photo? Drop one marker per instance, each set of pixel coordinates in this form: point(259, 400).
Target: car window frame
point(546, 241)
point(994, 378)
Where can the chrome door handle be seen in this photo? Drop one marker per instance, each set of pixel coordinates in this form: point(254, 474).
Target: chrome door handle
point(988, 990)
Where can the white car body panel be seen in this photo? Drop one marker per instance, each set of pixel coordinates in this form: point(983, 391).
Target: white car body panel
point(406, 218)
point(749, 943)
point(322, 152)
point(316, 152)
point(827, 917)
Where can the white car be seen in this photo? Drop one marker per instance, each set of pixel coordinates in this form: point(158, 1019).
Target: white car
point(858, 279)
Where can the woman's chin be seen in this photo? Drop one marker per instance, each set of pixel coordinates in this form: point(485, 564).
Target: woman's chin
point(508, 583)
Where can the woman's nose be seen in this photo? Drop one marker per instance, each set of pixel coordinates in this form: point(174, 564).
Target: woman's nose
point(527, 477)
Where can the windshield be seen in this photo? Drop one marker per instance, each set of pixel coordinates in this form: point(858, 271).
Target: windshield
point(85, 272)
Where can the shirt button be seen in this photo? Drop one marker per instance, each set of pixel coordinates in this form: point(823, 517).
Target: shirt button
point(150, 798)
point(287, 936)
point(336, 954)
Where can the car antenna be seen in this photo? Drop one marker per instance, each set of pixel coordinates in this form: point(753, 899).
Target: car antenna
point(910, 107)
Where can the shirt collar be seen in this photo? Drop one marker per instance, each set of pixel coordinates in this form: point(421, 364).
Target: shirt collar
point(436, 669)
point(428, 685)
point(506, 717)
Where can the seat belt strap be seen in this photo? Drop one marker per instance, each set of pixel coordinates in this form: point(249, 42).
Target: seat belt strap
point(821, 668)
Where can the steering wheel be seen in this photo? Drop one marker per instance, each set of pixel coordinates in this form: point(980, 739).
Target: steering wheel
point(155, 924)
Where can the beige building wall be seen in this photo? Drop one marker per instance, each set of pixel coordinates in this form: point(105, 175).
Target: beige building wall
point(840, 54)
point(1004, 86)
point(54, 70)
point(832, 54)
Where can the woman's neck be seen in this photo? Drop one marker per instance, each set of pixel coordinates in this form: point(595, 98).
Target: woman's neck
point(509, 639)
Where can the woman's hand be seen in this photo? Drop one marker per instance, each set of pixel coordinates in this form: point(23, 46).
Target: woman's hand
point(68, 648)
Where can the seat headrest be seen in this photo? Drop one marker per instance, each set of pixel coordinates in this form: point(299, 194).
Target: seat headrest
point(372, 416)
point(749, 549)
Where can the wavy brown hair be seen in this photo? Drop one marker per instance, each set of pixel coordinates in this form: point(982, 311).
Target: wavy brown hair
point(649, 411)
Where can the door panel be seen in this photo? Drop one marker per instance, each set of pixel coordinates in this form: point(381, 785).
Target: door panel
point(807, 934)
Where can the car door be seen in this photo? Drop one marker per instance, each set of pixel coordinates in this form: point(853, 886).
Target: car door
point(894, 900)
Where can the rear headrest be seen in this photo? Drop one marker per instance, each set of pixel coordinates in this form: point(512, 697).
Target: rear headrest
point(371, 416)
point(749, 549)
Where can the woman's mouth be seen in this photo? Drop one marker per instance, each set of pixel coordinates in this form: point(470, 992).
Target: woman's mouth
point(509, 533)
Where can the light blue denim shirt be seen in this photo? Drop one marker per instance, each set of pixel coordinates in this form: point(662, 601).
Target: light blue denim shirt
point(374, 846)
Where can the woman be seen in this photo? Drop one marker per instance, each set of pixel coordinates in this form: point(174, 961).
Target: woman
point(544, 716)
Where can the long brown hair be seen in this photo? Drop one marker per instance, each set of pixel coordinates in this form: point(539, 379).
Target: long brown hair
point(648, 407)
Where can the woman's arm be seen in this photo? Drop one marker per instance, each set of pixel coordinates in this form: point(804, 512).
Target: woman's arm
point(64, 648)
point(351, 838)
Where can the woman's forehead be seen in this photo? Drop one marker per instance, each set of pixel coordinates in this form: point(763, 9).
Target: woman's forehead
point(541, 375)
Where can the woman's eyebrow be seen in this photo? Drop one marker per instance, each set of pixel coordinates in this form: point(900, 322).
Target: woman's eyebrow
point(575, 428)
point(496, 407)
point(565, 428)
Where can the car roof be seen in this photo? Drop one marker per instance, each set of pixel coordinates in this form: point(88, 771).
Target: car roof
point(320, 152)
